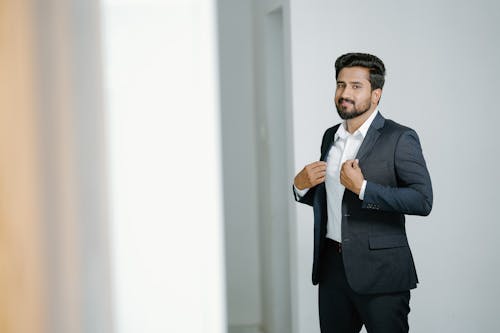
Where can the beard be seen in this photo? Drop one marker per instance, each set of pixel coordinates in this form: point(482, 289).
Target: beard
point(355, 112)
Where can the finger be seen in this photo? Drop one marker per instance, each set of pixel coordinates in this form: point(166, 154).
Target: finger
point(320, 179)
point(350, 163)
point(311, 166)
point(344, 177)
point(346, 164)
point(314, 175)
point(355, 165)
point(320, 174)
point(318, 165)
point(343, 181)
point(317, 170)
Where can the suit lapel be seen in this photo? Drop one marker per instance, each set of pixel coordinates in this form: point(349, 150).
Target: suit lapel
point(371, 136)
point(329, 143)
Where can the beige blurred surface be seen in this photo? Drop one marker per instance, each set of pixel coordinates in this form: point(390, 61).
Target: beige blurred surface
point(21, 275)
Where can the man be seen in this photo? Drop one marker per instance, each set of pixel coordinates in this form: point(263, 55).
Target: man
point(370, 174)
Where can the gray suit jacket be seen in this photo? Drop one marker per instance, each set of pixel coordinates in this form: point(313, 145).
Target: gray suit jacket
point(375, 250)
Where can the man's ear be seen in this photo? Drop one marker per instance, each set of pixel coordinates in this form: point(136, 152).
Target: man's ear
point(376, 95)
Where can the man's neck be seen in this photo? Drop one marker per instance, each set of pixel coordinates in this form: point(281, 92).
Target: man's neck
point(355, 123)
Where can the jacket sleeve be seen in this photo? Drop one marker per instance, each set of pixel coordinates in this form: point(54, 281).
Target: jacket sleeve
point(307, 198)
point(413, 195)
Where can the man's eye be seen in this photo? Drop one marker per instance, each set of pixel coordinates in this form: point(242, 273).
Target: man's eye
point(356, 86)
point(340, 85)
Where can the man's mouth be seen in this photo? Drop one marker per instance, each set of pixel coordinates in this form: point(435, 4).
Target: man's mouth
point(345, 102)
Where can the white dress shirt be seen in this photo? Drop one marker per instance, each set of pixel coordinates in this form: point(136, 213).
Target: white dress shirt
point(345, 147)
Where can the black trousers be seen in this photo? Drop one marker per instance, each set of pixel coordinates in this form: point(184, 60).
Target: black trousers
point(341, 310)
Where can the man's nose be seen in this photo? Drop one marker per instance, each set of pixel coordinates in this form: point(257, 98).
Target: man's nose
point(346, 93)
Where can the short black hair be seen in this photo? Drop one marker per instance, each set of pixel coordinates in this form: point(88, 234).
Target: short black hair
point(373, 63)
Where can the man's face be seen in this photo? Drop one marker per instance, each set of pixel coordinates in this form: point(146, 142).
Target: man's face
point(354, 95)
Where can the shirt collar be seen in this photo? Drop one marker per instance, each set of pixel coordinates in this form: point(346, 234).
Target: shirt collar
point(342, 132)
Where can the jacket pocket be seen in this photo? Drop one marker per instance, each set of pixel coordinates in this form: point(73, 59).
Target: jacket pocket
point(387, 241)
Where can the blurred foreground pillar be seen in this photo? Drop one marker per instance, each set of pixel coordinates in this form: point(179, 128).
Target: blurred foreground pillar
point(21, 265)
point(54, 264)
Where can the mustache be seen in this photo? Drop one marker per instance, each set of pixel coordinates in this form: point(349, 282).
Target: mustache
point(345, 100)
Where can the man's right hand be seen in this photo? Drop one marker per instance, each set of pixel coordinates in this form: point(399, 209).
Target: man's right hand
point(312, 175)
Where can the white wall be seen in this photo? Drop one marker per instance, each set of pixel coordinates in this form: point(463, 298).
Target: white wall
point(256, 131)
point(239, 164)
point(442, 79)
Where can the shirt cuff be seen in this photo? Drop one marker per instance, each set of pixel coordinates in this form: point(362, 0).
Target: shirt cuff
point(362, 192)
point(300, 193)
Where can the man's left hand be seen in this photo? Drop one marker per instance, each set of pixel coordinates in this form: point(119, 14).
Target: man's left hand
point(351, 176)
